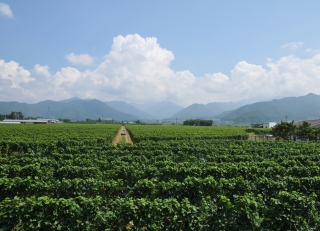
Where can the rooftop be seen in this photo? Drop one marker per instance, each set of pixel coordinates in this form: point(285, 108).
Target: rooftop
point(313, 123)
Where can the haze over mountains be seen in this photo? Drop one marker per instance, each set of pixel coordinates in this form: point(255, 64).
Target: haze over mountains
point(129, 109)
point(290, 108)
point(242, 112)
point(76, 109)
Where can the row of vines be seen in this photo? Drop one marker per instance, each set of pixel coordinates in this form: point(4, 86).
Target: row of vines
point(74, 183)
point(161, 133)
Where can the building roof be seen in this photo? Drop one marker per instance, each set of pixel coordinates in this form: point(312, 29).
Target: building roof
point(27, 121)
point(313, 123)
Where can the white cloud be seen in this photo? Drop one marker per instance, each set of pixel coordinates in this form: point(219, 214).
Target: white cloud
point(14, 81)
point(42, 71)
point(292, 46)
point(81, 59)
point(138, 69)
point(5, 10)
point(309, 50)
point(14, 73)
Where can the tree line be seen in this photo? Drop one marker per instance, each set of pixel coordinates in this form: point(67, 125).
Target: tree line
point(198, 122)
point(287, 130)
point(15, 115)
point(18, 115)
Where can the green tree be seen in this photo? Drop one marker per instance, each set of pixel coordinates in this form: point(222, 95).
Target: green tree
point(15, 115)
point(304, 129)
point(198, 122)
point(315, 132)
point(90, 121)
point(283, 130)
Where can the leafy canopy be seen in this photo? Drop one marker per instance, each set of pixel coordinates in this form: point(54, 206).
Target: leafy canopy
point(304, 129)
point(283, 130)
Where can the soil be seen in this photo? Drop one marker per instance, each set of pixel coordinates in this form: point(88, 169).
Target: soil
point(118, 137)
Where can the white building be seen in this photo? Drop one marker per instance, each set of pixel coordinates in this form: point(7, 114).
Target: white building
point(269, 124)
point(37, 121)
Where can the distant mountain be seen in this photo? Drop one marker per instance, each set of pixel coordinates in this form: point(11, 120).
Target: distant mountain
point(218, 108)
point(143, 106)
point(210, 110)
point(222, 107)
point(252, 117)
point(163, 110)
point(73, 99)
point(129, 109)
point(76, 109)
point(194, 111)
point(8, 107)
point(292, 108)
point(69, 100)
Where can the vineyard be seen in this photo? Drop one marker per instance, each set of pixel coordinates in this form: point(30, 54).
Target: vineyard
point(70, 177)
point(157, 133)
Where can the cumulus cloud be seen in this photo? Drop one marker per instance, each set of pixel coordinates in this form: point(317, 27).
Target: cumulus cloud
point(292, 46)
point(15, 74)
point(42, 71)
point(5, 10)
point(81, 59)
point(138, 69)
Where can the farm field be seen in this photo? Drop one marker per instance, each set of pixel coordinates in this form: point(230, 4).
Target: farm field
point(53, 132)
point(71, 177)
point(158, 132)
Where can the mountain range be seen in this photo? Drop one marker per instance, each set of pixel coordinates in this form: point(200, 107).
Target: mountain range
point(290, 108)
point(130, 109)
point(242, 112)
point(76, 109)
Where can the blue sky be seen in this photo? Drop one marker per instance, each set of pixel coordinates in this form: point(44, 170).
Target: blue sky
point(136, 51)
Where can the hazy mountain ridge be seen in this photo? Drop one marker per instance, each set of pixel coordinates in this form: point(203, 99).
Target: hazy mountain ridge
point(74, 109)
point(207, 111)
point(194, 111)
point(164, 109)
point(129, 109)
point(290, 108)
